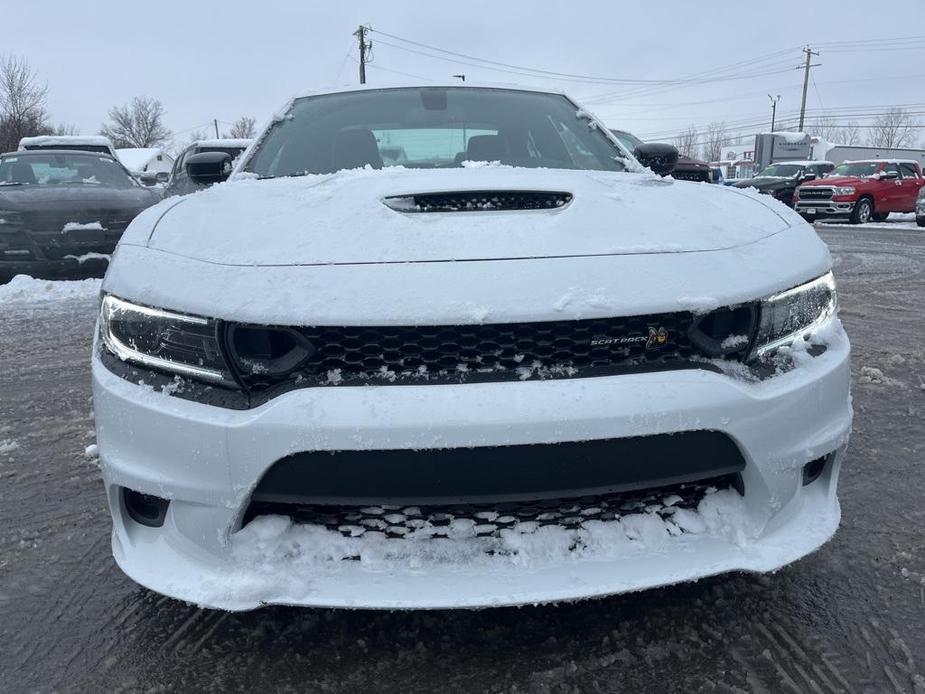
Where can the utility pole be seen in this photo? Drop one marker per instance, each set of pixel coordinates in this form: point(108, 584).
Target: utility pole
point(365, 47)
point(216, 128)
point(806, 66)
point(773, 109)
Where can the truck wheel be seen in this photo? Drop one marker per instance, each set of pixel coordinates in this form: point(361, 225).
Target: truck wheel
point(862, 212)
point(920, 221)
point(880, 216)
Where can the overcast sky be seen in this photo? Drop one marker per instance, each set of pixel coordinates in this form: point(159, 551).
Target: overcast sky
point(222, 60)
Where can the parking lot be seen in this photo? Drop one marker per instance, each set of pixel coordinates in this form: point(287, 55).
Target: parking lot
point(850, 618)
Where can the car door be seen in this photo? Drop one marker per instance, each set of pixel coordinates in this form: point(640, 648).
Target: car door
point(891, 191)
point(911, 182)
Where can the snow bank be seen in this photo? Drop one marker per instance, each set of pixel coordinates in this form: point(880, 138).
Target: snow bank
point(24, 289)
point(79, 226)
point(285, 551)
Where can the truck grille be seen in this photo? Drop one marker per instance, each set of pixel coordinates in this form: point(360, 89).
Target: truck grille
point(53, 222)
point(815, 193)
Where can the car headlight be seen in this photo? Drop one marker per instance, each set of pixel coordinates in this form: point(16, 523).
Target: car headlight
point(786, 316)
point(173, 342)
point(843, 190)
point(11, 218)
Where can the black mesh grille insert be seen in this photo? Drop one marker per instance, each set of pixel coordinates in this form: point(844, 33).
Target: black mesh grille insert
point(394, 355)
point(423, 522)
point(480, 200)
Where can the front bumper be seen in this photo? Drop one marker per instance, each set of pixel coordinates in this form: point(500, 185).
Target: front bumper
point(819, 209)
point(207, 461)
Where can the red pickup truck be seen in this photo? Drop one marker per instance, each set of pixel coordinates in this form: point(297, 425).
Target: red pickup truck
point(861, 191)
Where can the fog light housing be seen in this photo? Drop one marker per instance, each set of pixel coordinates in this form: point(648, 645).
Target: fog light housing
point(813, 469)
point(145, 509)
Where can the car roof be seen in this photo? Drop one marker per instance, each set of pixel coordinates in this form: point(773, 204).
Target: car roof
point(49, 150)
point(71, 140)
point(877, 161)
point(803, 162)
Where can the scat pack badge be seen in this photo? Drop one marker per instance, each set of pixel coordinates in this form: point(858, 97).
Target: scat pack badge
point(656, 339)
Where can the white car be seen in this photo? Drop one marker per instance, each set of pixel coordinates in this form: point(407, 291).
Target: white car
point(518, 368)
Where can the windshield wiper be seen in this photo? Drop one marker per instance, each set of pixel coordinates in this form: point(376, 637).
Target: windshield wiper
point(11, 183)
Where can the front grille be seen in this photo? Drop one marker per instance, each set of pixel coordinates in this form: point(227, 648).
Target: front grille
point(479, 200)
point(491, 519)
point(394, 355)
point(54, 222)
point(814, 193)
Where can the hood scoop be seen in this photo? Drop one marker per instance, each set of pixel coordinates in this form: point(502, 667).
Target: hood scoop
point(478, 201)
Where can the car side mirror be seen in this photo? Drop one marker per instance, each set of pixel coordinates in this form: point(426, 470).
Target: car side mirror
point(208, 167)
point(162, 176)
point(888, 175)
point(661, 158)
point(808, 177)
point(147, 179)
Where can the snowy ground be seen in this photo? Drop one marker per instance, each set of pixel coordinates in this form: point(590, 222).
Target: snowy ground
point(850, 618)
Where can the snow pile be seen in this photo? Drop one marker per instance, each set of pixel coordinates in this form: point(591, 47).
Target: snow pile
point(77, 226)
point(25, 289)
point(8, 446)
point(138, 158)
point(283, 550)
point(89, 256)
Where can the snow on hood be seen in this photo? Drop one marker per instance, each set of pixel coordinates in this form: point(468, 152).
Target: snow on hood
point(341, 219)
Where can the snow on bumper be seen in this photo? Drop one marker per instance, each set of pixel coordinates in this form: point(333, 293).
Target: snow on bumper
point(207, 461)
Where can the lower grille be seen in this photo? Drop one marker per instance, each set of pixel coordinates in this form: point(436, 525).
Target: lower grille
point(458, 521)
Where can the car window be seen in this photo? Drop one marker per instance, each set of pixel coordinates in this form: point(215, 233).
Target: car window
point(856, 168)
point(891, 167)
point(46, 169)
point(909, 171)
point(782, 170)
point(432, 127)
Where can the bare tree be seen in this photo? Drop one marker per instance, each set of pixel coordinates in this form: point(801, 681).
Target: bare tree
point(850, 134)
point(826, 128)
point(243, 128)
point(687, 141)
point(138, 124)
point(714, 137)
point(22, 103)
point(65, 129)
point(895, 128)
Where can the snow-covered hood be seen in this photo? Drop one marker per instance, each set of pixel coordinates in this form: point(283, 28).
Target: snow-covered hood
point(341, 218)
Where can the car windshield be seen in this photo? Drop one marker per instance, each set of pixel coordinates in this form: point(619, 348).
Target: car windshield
point(856, 168)
point(781, 171)
point(430, 128)
point(62, 168)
